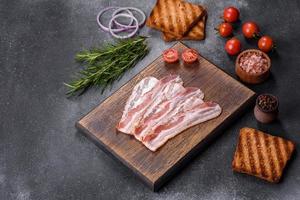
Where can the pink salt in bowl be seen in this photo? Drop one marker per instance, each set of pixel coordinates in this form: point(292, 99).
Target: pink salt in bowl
point(253, 66)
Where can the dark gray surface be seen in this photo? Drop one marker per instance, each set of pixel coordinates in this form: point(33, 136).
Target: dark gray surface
point(42, 156)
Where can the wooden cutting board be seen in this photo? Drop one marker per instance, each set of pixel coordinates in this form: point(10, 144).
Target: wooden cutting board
point(155, 168)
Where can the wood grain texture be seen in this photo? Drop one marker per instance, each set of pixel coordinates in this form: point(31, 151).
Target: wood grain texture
point(155, 168)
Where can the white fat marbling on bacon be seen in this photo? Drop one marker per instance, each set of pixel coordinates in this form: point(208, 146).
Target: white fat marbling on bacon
point(166, 93)
point(181, 101)
point(158, 110)
point(139, 91)
point(179, 121)
point(144, 94)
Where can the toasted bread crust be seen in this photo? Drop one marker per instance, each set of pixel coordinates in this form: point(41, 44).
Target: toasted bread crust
point(174, 16)
point(262, 155)
point(196, 33)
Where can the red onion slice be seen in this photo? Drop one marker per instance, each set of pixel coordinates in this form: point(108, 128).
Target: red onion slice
point(115, 30)
point(128, 9)
point(125, 36)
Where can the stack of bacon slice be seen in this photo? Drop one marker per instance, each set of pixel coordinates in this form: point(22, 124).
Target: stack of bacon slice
point(158, 110)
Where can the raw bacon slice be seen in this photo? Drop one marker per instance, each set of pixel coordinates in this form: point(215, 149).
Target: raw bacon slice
point(165, 94)
point(158, 110)
point(139, 98)
point(143, 95)
point(162, 110)
point(179, 121)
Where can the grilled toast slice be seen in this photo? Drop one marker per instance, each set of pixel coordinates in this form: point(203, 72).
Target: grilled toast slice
point(174, 16)
point(261, 155)
point(196, 33)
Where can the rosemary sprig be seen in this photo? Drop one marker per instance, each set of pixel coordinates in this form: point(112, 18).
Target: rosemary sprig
point(105, 65)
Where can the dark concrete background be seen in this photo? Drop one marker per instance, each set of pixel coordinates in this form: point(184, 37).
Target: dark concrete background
point(42, 156)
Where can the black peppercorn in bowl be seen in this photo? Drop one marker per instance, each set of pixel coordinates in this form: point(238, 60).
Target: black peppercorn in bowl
point(266, 108)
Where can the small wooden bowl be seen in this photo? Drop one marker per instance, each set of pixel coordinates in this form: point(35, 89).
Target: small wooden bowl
point(248, 77)
point(264, 116)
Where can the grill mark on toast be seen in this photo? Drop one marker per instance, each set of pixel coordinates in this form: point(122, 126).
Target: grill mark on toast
point(167, 9)
point(282, 149)
point(286, 148)
point(191, 19)
point(178, 27)
point(171, 7)
point(250, 152)
point(265, 161)
point(197, 14)
point(257, 155)
point(196, 33)
point(186, 19)
point(278, 152)
point(245, 153)
point(261, 160)
point(193, 16)
point(268, 139)
point(240, 154)
point(274, 156)
point(197, 29)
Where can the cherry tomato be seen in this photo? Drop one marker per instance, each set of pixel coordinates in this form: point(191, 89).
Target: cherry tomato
point(250, 29)
point(225, 29)
point(189, 55)
point(233, 46)
point(231, 14)
point(170, 55)
point(265, 43)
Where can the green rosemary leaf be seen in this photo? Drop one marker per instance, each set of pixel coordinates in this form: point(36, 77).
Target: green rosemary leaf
point(105, 65)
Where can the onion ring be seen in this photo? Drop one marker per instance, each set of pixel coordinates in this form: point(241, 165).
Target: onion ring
point(128, 9)
point(115, 30)
point(126, 36)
